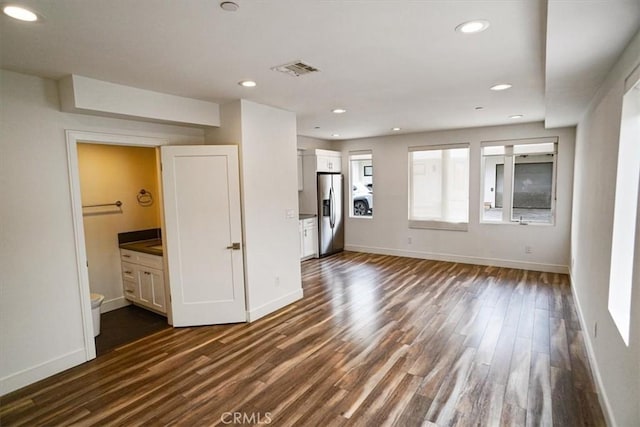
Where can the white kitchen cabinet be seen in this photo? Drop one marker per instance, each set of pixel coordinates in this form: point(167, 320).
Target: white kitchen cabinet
point(308, 238)
point(300, 171)
point(143, 282)
point(328, 162)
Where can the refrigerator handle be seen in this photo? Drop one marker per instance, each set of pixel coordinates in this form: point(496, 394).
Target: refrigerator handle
point(332, 219)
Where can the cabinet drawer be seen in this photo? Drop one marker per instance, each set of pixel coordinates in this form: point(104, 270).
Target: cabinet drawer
point(130, 289)
point(128, 271)
point(153, 261)
point(309, 222)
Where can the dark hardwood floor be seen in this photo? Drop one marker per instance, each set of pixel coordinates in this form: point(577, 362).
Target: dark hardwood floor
point(125, 325)
point(377, 340)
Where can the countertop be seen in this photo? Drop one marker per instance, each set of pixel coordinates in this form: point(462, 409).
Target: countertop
point(151, 247)
point(306, 216)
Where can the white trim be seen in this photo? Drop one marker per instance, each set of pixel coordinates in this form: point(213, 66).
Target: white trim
point(600, 390)
point(540, 140)
point(453, 146)
point(276, 304)
point(114, 304)
point(81, 250)
point(41, 371)
point(114, 139)
point(632, 80)
point(495, 262)
point(73, 138)
point(431, 224)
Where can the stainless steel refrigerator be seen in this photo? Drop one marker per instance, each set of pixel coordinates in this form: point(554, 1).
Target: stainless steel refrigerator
point(330, 213)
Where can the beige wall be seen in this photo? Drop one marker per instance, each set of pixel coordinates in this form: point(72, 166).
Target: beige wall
point(617, 366)
point(109, 173)
point(40, 314)
point(492, 244)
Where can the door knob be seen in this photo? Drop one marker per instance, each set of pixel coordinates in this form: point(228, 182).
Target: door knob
point(234, 246)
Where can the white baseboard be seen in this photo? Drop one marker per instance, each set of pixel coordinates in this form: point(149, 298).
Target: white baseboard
point(533, 266)
point(602, 396)
point(114, 304)
point(276, 304)
point(36, 373)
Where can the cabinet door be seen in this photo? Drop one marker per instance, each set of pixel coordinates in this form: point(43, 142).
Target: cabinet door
point(152, 289)
point(310, 234)
point(157, 288)
point(327, 164)
point(322, 164)
point(300, 173)
point(308, 242)
point(145, 286)
point(301, 234)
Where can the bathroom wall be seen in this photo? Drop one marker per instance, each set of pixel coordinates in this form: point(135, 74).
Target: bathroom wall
point(109, 173)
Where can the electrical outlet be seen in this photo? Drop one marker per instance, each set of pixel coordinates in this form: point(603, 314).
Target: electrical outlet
point(595, 330)
point(277, 281)
point(528, 250)
point(409, 241)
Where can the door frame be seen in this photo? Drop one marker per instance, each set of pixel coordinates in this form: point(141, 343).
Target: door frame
point(73, 137)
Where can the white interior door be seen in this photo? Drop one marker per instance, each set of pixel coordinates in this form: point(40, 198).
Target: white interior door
point(203, 234)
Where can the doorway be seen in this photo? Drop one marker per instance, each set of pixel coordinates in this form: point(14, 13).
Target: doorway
point(120, 194)
point(198, 229)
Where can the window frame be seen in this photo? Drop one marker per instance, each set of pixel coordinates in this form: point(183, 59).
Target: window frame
point(509, 177)
point(438, 224)
point(622, 271)
point(350, 188)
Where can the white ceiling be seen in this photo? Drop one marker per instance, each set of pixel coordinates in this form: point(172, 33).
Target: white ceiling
point(388, 62)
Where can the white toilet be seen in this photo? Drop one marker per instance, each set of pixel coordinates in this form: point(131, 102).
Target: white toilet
point(96, 302)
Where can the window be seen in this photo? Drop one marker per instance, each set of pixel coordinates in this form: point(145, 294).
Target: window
point(361, 182)
point(519, 181)
point(439, 187)
point(625, 213)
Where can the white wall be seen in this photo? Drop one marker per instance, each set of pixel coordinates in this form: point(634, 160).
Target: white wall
point(41, 331)
point(617, 366)
point(267, 140)
point(109, 173)
point(502, 245)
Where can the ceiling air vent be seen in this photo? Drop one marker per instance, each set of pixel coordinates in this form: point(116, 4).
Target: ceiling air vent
point(296, 68)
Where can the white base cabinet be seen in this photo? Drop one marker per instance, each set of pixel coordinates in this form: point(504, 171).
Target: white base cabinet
point(143, 280)
point(308, 238)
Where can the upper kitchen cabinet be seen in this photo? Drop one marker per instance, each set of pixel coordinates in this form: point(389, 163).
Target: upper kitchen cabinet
point(300, 171)
point(327, 161)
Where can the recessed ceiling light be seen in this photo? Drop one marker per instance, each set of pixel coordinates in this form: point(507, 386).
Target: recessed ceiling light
point(472, 27)
point(20, 13)
point(516, 116)
point(335, 135)
point(395, 129)
point(338, 110)
point(247, 83)
point(229, 6)
point(501, 86)
point(478, 108)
